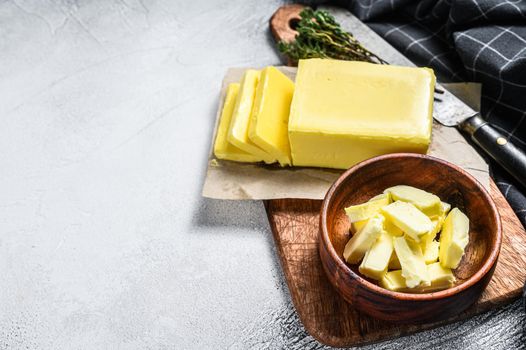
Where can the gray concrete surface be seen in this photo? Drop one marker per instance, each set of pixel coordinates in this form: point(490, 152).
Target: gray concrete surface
point(105, 242)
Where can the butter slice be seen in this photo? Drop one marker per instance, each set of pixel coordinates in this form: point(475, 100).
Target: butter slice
point(239, 125)
point(376, 260)
point(365, 210)
point(358, 225)
point(439, 278)
point(429, 237)
point(381, 196)
point(360, 243)
point(222, 148)
point(453, 238)
point(428, 203)
point(392, 229)
point(344, 112)
point(414, 268)
point(408, 218)
point(430, 251)
point(446, 207)
point(393, 281)
point(270, 115)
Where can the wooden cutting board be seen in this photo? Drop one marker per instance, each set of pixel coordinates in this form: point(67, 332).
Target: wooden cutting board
point(324, 314)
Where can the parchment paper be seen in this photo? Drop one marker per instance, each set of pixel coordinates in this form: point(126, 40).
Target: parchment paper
point(238, 181)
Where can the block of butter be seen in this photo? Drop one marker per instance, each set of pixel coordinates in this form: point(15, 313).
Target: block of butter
point(222, 148)
point(360, 243)
point(392, 229)
point(408, 218)
point(453, 238)
point(239, 125)
point(270, 115)
point(446, 207)
point(365, 210)
point(357, 225)
point(430, 251)
point(344, 112)
point(394, 281)
point(439, 278)
point(376, 260)
point(428, 203)
point(414, 268)
point(429, 237)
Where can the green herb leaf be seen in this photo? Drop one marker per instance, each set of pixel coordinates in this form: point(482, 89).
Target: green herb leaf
point(320, 36)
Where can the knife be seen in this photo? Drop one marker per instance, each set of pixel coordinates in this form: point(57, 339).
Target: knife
point(448, 110)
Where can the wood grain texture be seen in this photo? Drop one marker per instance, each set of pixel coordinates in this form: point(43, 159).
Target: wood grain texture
point(329, 318)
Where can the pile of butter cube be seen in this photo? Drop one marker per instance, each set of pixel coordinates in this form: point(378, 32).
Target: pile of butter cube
point(395, 239)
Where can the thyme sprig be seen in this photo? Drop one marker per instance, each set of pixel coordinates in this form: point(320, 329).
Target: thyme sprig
point(320, 36)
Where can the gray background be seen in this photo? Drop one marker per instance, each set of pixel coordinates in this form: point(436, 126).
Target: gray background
point(105, 241)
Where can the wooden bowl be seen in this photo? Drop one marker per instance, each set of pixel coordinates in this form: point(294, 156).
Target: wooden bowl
point(452, 185)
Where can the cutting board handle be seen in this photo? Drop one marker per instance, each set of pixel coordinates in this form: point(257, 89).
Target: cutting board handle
point(283, 21)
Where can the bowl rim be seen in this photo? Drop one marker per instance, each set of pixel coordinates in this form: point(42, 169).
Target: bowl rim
point(486, 267)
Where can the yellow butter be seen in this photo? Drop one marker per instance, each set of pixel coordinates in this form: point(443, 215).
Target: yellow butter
point(429, 237)
point(392, 229)
point(344, 112)
point(381, 196)
point(376, 260)
point(270, 115)
point(365, 210)
point(222, 148)
point(453, 238)
point(430, 251)
point(428, 203)
point(239, 125)
point(408, 218)
point(360, 243)
point(412, 261)
point(357, 225)
point(439, 278)
point(393, 281)
point(446, 207)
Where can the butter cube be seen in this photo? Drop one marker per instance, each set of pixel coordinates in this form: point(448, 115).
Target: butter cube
point(439, 278)
point(270, 115)
point(392, 229)
point(360, 243)
point(381, 196)
point(358, 225)
point(239, 125)
point(453, 238)
point(446, 207)
point(428, 203)
point(394, 281)
point(414, 268)
point(376, 260)
point(344, 112)
point(429, 237)
point(408, 218)
point(430, 251)
point(394, 263)
point(365, 210)
point(222, 148)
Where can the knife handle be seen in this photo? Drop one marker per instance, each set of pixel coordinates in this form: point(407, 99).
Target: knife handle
point(497, 146)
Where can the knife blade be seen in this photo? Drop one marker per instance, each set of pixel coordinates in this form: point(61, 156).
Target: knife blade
point(450, 111)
